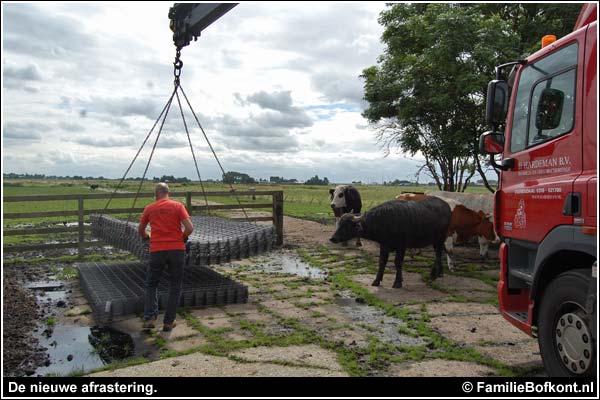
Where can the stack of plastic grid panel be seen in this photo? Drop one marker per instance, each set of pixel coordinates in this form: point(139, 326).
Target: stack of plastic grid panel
point(214, 240)
point(117, 289)
point(120, 234)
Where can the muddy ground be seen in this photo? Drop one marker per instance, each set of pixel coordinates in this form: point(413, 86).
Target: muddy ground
point(20, 314)
point(313, 325)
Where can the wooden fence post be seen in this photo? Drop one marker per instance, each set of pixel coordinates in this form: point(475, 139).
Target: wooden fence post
point(188, 202)
point(278, 215)
point(81, 240)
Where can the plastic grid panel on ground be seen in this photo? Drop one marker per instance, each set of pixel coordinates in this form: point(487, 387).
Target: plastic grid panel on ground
point(117, 289)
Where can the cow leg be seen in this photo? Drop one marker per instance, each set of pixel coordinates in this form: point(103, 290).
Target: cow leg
point(337, 225)
point(449, 247)
point(383, 259)
point(358, 242)
point(484, 245)
point(398, 263)
point(437, 270)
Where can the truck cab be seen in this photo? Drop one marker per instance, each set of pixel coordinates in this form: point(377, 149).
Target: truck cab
point(545, 206)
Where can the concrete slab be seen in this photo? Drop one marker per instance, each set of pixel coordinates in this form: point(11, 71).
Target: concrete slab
point(203, 313)
point(186, 344)
point(277, 305)
point(462, 283)
point(246, 308)
point(458, 309)
point(237, 337)
point(258, 317)
point(524, 354)
point(203, 365)
point(349, 338)
point(413, 289)
point(477, 328)
point(309, 356)
point(217, 323)
point(440, 368)
point(297, 313)
point(182, 330)
point(312, 301)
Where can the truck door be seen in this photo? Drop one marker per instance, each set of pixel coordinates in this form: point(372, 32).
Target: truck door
point(544, 140)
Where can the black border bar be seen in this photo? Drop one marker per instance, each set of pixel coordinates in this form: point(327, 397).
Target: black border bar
point(199, 387)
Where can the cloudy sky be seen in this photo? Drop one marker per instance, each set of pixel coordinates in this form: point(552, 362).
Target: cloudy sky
point(275, 85)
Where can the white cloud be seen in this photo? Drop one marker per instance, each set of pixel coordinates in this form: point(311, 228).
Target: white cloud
point(275, 86)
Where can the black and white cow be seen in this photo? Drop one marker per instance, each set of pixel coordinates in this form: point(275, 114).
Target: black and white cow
point(345, 199)
point(397, 225)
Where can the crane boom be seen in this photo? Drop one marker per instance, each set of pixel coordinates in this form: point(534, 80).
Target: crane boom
point(189, 19)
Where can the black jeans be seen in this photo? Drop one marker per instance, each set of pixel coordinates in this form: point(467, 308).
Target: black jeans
point(173, 260)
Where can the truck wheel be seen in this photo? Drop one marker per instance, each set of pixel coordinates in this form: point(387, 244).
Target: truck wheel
point(566, 344)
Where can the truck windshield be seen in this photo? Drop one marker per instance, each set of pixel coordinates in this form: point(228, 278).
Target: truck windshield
point(555, 71)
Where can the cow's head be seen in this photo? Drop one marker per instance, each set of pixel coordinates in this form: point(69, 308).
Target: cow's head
point(338, 196)
point(486, 227)
point(348, 228)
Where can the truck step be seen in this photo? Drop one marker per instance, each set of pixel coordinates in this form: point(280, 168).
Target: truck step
point(522, 275)
point(521, 316)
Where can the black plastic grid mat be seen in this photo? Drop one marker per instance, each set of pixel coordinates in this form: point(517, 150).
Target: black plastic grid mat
point(214, 240)
point(117, 289)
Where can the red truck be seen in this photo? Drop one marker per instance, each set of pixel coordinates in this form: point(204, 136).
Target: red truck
point(544, 126)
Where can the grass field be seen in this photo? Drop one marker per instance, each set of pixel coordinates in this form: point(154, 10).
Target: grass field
point(299, 200)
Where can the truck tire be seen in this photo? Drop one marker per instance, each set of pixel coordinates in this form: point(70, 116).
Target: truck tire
point(566, 344)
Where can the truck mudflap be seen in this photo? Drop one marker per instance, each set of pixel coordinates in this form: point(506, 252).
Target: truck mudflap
point(515, 305)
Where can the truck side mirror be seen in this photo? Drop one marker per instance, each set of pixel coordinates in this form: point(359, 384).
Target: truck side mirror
point(491, 143)
point(496, 106)
point(549, 109)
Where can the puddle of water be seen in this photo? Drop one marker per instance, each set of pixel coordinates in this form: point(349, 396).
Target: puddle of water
point(71, 224)
point(80, 349)
point(47, 286)
point(288, 263)
point(386, 328)
point(73, 349)
point(69, 351)
point(51, 296)
point(21, 226)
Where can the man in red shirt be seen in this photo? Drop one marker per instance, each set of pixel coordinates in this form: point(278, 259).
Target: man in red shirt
point(167, 248)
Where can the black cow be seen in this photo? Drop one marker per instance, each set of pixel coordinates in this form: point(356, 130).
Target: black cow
point(397, 225)
point(345, 199)
point(94, 187)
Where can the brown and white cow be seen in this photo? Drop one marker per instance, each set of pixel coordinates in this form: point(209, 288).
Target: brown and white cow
point(465, 222)
point(411, 196)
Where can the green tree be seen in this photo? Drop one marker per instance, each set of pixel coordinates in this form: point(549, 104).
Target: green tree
point(237, 177)
point(426, 95)
point(315, 180)
point(531, 21)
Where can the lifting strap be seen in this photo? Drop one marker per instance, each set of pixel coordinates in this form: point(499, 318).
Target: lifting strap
point(178, 64)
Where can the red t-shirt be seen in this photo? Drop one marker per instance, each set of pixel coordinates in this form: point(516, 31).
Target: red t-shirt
point(165, 218)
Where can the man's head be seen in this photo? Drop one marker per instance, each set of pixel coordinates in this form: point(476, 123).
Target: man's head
point(161, 191)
